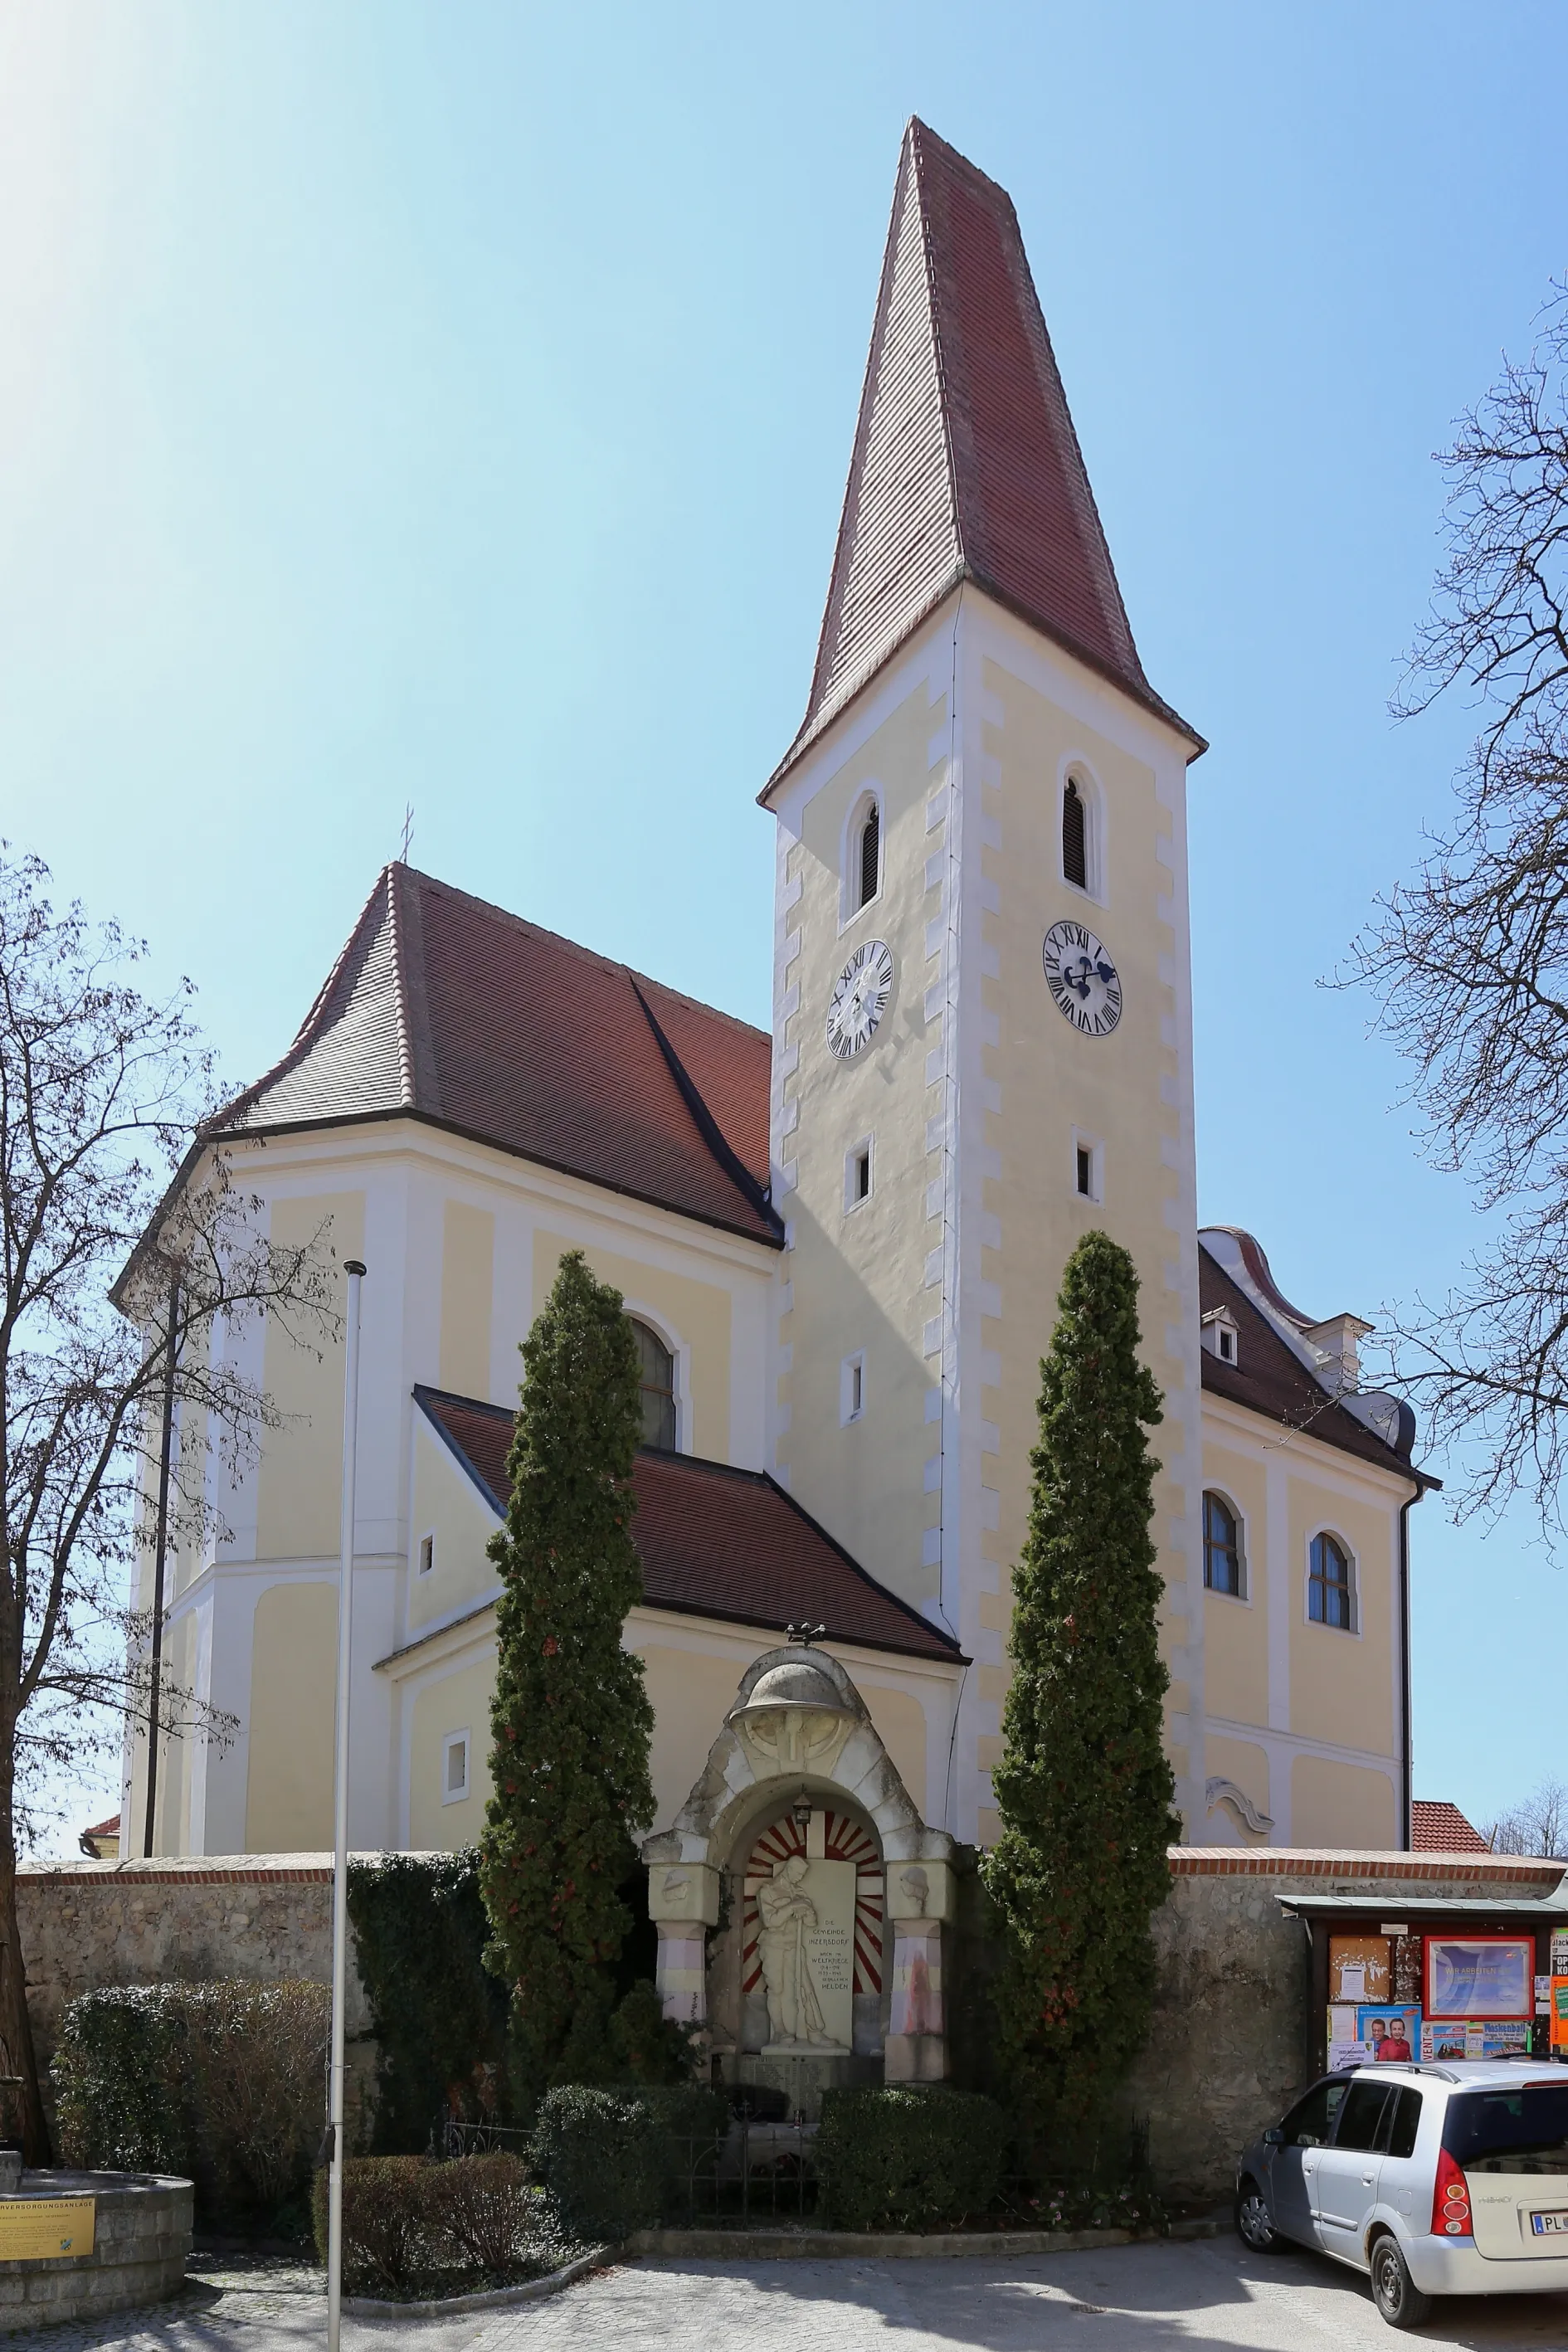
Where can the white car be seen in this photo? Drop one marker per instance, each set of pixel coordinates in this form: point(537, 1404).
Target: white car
point(1437, 2179)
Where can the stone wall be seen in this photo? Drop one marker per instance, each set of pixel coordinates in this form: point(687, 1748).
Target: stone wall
point(1232, 2036)
point(87, 1924)
point(1235, 2035)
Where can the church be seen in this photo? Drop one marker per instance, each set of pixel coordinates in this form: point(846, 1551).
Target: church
point(840, 1244)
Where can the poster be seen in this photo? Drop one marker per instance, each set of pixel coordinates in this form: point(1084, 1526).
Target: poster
point(1560, 2013)
point(1358, 1969)
point(1480, 1976)
point(1474, 2037)
point(1560, 1951)
point(1371, 2029)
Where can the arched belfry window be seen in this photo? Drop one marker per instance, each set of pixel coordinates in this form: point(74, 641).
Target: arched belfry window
point(871, 856)
point(1075, 834)
point(656, 1374)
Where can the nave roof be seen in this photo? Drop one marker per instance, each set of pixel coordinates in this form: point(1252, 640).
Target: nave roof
point(445, 1008)
point(715, 1542)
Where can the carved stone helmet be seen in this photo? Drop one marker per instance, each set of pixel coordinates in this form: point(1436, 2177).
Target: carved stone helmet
point(801, 1683)
point(796, 1718)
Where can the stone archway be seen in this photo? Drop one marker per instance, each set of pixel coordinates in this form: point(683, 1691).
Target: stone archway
point(798, 1764)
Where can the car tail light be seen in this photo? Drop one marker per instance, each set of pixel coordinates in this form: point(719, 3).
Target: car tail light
point(1450, 2200)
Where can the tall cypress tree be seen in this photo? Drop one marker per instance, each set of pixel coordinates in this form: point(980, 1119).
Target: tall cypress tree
point(571, 1718)
point(1084, 1789)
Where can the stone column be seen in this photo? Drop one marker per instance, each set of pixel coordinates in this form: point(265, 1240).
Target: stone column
point(919, 1898)
point(683, 1903)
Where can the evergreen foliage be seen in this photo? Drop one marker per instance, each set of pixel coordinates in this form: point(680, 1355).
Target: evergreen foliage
point(1084, 1789)
point(440, 2017)
point(571, 1718)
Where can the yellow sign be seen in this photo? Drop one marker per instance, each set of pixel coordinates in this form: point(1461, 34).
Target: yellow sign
point(42, 2229)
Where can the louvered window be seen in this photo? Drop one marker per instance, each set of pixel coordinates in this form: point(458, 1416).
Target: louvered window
point(1075, 841)
point(655, 1371)
point(871, 856)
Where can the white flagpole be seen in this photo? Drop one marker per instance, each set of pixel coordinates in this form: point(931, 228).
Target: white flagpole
point(356, 1271)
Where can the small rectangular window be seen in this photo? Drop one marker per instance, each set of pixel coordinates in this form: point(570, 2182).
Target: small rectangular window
point(851, 1390)
point(453, 1767)
point(1227, 1344)
point(1088, 1166)
point(857, 1383)
point(427, 1554)
point(858, 1173)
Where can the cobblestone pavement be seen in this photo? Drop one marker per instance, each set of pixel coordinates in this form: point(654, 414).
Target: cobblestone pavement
point(1185, 2298)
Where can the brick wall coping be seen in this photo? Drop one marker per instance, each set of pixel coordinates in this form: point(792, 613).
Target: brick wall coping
point(1328, 1862)
point(196, 1869)
point(1186, 1862)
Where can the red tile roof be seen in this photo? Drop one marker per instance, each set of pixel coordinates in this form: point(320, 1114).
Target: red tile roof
point(1271, 1380)
point(965, 464)
point(1437, 1827)
point(716, 1541)
point(445, 1008)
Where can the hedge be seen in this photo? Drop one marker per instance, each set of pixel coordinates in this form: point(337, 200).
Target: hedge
point(908, 2159)
point(221, 2081)
point(440, 2017)
point(412, 2226)
point(619, 2161)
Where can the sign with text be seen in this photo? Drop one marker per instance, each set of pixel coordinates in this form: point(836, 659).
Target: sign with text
point(42, 2229)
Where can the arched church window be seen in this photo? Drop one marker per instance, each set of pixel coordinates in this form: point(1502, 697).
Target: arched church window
point(1075, 835)
point(656, 1374)
point(1222, 1546)
point(1330, 1585)
point(871, 856)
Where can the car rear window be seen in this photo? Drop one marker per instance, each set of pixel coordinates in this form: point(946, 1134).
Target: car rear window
point(1509, 2131)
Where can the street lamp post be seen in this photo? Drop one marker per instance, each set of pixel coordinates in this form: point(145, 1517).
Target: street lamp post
point(356, 1271)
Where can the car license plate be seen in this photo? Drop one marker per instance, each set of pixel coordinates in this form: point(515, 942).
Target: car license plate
point(1549, 2225)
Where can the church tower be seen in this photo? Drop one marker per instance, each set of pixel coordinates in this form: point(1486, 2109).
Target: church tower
point(982, 1013)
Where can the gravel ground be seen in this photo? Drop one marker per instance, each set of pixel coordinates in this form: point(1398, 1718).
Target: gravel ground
point(1154, 2298)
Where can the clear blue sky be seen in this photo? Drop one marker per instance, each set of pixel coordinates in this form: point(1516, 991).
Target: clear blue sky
point(451, 405)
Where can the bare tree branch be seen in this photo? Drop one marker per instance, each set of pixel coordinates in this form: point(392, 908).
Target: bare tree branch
point(1469, 961)
point(100, 1090)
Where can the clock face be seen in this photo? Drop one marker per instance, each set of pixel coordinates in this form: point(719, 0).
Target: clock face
point(862, 995)
point(1083, 980)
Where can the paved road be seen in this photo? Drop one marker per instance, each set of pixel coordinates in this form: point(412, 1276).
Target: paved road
point(1126, 2299)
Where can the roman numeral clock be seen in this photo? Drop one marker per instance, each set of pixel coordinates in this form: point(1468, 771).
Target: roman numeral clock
point(1083, 978)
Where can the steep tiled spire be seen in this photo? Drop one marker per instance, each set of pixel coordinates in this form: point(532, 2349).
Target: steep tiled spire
point(965, 463)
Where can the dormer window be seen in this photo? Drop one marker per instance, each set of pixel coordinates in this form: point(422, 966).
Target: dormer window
point(1220, 1335)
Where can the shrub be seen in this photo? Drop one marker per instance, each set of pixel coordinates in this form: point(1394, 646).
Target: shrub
point(615, 2160)
point(387, 2233)
point(255, 2053)
point(412, 2226)
point(118, 2076)
point(908, 2159)
point(222, 2082)
point(482, 2206)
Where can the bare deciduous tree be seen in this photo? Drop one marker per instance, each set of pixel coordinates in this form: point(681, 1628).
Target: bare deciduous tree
point(1470, 959)
point(100, 1090)
point(1540, 1825)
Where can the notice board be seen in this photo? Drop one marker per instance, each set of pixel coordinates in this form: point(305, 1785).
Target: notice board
point(42, 2229)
